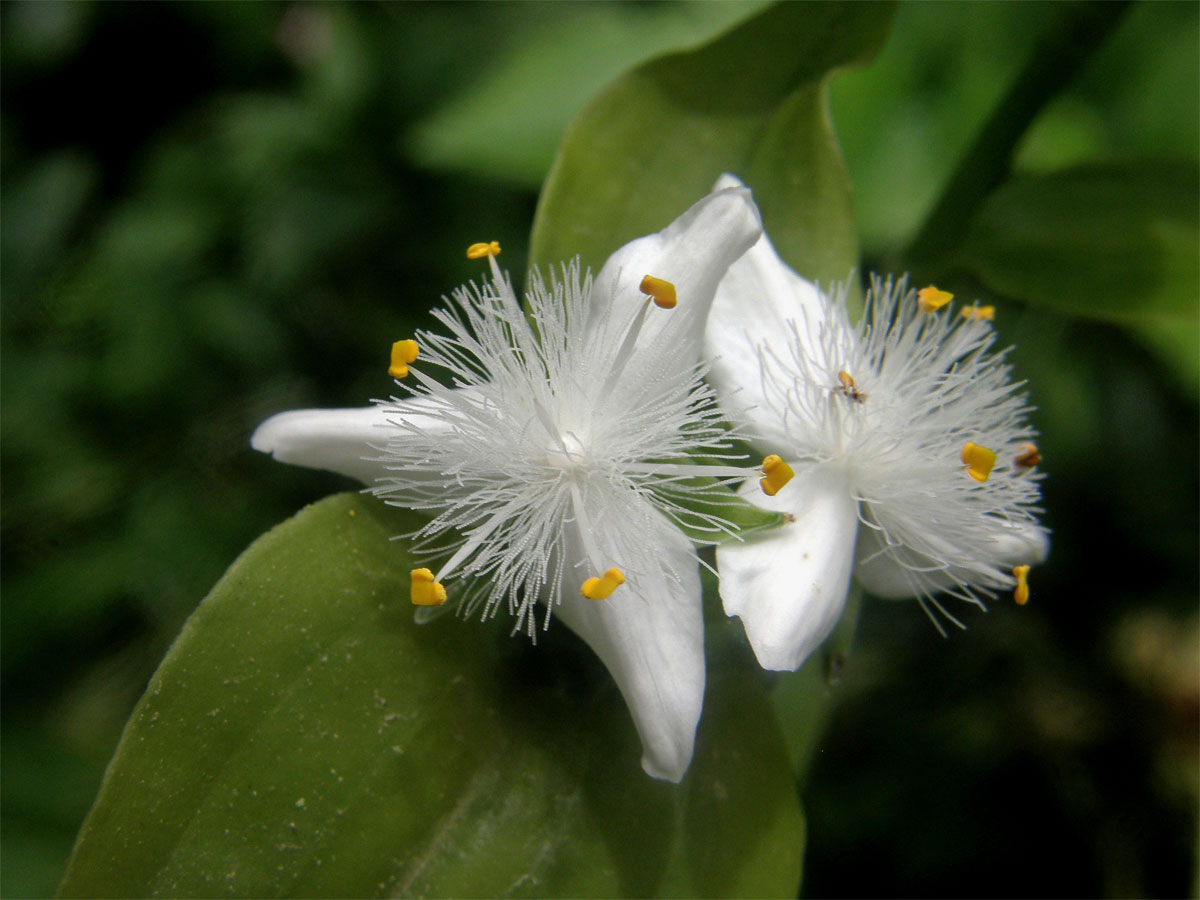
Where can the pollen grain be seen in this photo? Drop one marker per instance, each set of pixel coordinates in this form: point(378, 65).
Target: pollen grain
point(1028, 457)
point(979, 313)
point(403, 353)
point(979, 460)
point(601, 588)
point(1021, 594)
point(776, 473)
point(482, 249)
point(425, 591)
point(661, 290)
point(931, 299)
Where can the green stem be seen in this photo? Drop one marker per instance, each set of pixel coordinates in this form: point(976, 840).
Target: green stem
point(1058, 56)
point(804, 700)
point(837, 648)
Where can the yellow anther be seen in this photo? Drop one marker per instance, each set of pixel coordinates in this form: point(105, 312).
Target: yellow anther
point(661, 290)
point(425, 591)
point(1028, 457)
point(979, 460)
point(482, 249)
point(849, 387)
point(776, 473)
point(931, 299)
point(1021, 594)
point(986, 313)
point(601, 588)
point(403, 352)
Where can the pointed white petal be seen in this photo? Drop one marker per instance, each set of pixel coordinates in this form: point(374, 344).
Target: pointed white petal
point(693, 253)
point(727, 180)
point(761, 303)
point(789, 585)
point(345, 441)
point(1021, 543)
point(333, 439)
point(650, 635)
point(1008, 544)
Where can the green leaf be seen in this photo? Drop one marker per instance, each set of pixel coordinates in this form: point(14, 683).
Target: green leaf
point(803, 699)
point(304, 737)
point(695, 515)
point(753, 103)
point(1176, 342)
point(708, 512)
point(1112, 241)
point(506, 124)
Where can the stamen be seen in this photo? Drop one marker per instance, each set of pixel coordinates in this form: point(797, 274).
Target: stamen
point(1028, 457)
point(403, 353)
point(661, 290)
point(849, 387)
point(776, 473)
point(491, 249)
point(931, 299)
point(1021, 594)
point(482, 249)
point(601, 588)
point(425, 591)
point(662, 293)
point(979, 460)
point(977, 312)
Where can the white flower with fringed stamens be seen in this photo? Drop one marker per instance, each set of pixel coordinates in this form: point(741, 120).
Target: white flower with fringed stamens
point(555, 465)
point(914, 460)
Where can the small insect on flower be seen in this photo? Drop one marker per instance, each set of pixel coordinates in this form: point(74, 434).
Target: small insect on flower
point(926, 487)
point(558, 467)
point(849, 388)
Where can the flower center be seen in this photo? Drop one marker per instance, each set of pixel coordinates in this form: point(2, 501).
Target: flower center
point(565, 451)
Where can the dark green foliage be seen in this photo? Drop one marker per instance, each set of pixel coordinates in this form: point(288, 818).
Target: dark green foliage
point(212, 212)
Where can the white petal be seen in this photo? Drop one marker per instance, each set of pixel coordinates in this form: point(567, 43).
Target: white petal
point(1009, 544)
point(789, 585)
point(1020, 543)
point(761, 303)
point(650, 635)
point(333, 439)
point(340, 440)
point(693, 253)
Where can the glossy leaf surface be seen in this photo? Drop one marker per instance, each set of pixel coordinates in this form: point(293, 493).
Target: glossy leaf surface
point(1112, 241)
point(505, 123)
point(753, 103)
point(304, 737)
point(1105, 241)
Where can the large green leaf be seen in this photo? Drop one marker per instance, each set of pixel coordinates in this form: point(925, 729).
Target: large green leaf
point(304, 737)
point(505, 124)
point(1111, 241)
point(752, 102)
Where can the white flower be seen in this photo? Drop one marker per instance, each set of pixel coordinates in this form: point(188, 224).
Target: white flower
point(554, 467)
point(915, 467)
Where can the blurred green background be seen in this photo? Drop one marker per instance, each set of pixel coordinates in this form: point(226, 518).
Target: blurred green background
point(213, 212)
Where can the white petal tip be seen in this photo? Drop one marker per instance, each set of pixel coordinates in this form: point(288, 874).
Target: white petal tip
point(1022, 543)
point(266, 435)
point(674, 773)
point(335, 439)
point(777, 657)
point(1041, 548)
point(726, 181)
